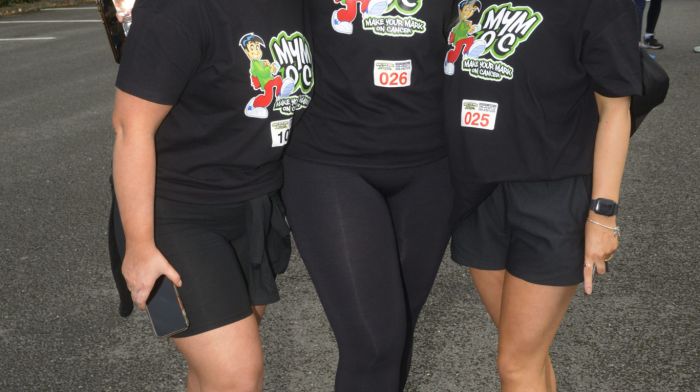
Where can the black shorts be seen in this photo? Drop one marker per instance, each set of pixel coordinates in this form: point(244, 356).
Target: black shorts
point(534, 230)
point(227, 256)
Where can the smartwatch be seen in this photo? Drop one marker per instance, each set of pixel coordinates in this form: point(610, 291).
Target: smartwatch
point(605, 207)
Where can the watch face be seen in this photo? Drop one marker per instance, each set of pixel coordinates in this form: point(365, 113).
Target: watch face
point(605, 207)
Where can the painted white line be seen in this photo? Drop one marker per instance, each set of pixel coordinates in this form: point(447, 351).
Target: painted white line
point(68, 8)
point(51, 21)
point(27, 39)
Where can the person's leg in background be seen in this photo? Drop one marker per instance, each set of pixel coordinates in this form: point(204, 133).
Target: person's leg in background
point(641, 5)
point(650, 40)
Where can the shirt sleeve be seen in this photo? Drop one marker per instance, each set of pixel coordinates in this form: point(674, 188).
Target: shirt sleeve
point(610, 51)
point(162, 52)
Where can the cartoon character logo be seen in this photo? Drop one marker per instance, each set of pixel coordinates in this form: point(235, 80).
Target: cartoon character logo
point(463, 36)
point(485, 46)
point(394, 18)
point(342, 19)
point(264, 77)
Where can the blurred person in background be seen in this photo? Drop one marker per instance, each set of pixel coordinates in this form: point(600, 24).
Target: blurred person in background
point(649, 41)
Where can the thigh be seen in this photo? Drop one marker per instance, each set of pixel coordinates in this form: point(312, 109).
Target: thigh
point(343, 230)
point(226, 358)
point(214, 291)
point(489, 285)
point(530, 317)
point(420, 213)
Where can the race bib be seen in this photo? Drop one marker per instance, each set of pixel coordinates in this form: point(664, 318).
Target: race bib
point(479, 114)
point(392, 74)
point(280, 132)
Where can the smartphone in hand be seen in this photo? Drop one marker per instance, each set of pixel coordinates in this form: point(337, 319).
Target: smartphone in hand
point(165, 309)
point(116, 30)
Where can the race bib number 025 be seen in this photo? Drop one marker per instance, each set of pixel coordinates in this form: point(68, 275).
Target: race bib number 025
point(479, 114)
point(392, 74)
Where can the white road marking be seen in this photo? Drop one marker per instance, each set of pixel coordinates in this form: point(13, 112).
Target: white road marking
point(68, 8)
point(51, 21)
point(27, 39)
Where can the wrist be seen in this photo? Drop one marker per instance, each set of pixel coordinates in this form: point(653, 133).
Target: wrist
point(606, 220)
point(140, 244)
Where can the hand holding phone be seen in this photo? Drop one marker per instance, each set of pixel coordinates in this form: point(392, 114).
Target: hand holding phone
point(153, 284)
point(165, 309)
point(116, 17)
point(124, 8)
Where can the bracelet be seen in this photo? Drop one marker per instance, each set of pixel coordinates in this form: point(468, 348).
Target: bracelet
point(614, 229)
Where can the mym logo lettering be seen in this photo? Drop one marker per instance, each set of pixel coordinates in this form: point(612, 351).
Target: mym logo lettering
point(504, 27)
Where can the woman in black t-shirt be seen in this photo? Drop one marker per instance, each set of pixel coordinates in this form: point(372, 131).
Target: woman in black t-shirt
point(206, 95)
point(367, 185)
point(537, 106)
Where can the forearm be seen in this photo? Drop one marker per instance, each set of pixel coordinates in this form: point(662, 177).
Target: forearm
point(134, 166)
point(136, 122)
point(612, 142)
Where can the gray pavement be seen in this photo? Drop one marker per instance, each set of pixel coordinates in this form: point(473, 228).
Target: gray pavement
point(59, 329)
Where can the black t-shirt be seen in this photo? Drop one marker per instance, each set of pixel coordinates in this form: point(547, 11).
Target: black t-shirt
point(236, 74)
point(520, 102)
point(377, 100)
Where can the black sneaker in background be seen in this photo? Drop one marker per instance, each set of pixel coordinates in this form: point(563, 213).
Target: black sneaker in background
point(653, 43)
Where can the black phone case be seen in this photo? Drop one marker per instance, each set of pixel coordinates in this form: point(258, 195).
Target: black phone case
point(165, 309)
point(114, 29)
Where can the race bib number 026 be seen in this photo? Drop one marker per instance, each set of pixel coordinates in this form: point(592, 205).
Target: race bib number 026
point(479, 114)
point(392, 74)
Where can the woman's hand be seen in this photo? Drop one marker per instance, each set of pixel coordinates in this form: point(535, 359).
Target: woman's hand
point(142, 266)
point(601, 244)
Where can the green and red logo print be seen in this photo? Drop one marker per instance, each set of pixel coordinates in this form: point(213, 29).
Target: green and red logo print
point(382, 17)
point(483, 47)
point(286, 80)
point(293, 53)
point(505, 27)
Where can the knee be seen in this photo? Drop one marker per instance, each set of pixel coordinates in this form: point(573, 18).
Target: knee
point(514, 367)
point(508, 366)
point(370, 354)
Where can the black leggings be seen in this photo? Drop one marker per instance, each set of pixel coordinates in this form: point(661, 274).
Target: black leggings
point(372, 241)
point(653, 15)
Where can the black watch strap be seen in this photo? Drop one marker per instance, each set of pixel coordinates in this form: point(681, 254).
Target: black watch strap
point(605, 207)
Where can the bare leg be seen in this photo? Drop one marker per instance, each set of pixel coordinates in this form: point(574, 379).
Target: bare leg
point(529, 319)
point(489, 284)
point(226, 359)
point(259, 312)
point(192, 382)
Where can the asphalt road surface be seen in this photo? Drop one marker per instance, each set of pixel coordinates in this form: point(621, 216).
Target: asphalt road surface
point(59, 328)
